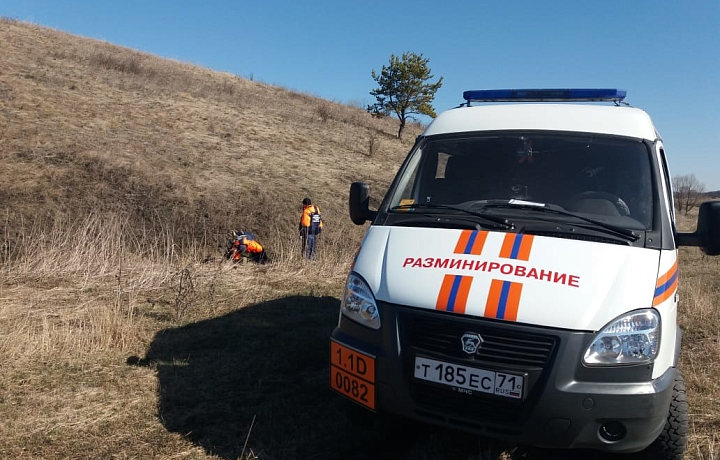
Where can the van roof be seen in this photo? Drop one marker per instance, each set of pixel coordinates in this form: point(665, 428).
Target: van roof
point(585, 118)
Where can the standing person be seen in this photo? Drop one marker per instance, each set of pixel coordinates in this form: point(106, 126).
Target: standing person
point(311, 224)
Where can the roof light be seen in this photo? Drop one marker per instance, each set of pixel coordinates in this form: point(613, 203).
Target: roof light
point(544, 95)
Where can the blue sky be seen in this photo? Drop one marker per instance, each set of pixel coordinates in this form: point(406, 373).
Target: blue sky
point(666, 54)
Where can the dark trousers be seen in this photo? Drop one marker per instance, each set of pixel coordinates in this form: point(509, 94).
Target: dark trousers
point(309, 244)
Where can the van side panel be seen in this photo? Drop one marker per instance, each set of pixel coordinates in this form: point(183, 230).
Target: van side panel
point(665, 300)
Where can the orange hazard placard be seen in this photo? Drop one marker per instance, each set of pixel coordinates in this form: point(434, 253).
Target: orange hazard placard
point(352, 373)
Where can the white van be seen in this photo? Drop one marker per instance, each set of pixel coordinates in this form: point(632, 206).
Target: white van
point(519, 280)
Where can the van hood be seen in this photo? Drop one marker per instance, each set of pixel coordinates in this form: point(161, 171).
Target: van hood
point(537, 280)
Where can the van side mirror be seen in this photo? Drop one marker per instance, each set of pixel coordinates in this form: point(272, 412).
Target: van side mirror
point(360, 203)
point(707, 235)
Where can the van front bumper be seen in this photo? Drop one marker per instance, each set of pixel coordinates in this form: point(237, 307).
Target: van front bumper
point(565, 404)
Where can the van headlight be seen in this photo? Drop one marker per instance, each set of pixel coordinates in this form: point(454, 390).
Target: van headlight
point(358, 302)
point(630, 339)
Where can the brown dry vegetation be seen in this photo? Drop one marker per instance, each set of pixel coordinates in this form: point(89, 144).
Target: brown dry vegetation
point(120, 173)
point(699, 317)
point(90, 128)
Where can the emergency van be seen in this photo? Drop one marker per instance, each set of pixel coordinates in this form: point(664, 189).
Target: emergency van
point(519, 279)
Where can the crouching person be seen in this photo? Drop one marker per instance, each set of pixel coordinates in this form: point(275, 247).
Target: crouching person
point(244, 247)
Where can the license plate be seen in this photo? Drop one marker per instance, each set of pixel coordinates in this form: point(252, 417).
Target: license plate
point(469, 379)
point(352, 373)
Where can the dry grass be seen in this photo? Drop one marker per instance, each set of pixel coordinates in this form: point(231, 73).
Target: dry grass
point(121, 174)
point(699, 316)
point(86, 127)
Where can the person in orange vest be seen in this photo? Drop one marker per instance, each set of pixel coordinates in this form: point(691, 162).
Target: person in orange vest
point(311, 225)
point(244, 245)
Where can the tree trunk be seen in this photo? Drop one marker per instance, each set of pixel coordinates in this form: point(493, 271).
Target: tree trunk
point(402, 128)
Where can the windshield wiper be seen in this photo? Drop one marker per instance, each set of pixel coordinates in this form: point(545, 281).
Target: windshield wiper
point(613, 229)
point(429, 220)
point(501, 223)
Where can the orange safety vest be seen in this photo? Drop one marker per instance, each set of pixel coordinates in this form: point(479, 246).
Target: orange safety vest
point(307, 212)
point(253, 246)
point(250, 245)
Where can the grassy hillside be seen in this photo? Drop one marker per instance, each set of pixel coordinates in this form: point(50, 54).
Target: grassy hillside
point(87, 127)
point(120, 173)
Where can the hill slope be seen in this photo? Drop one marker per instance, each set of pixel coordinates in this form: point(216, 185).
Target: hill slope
point(88, 127)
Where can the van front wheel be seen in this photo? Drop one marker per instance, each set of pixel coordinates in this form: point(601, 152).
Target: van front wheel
point(671, 443)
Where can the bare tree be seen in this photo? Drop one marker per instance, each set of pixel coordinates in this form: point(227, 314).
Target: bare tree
point(688, 192)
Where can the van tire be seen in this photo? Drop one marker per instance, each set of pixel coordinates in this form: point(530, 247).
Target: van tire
point(671, 443)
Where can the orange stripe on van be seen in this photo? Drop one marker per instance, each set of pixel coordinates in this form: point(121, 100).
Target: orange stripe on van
point(667, 294)
point(507, 246)
point(462, 294)
point(513, 302)
point(479, 243)
point(516, 246)
point(525, 247)
point(491, 306)
point(666, 285)
point(669, 274)
point(462, 241)
point(444, 295)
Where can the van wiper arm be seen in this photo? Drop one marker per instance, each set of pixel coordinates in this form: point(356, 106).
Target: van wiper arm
point(501, 223)
point(613, 229)
point(435, 221)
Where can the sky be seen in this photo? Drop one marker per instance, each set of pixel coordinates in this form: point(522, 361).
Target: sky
point(664, 53)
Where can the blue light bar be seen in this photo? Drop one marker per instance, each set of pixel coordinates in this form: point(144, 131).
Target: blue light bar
point(544, 95)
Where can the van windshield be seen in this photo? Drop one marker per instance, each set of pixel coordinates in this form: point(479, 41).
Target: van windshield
point(604, 178)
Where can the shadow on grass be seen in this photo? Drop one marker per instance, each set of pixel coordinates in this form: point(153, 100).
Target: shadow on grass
point(269, 362)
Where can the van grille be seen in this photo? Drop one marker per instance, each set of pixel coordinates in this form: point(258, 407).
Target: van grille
point(508, 347)
point(442, 334)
